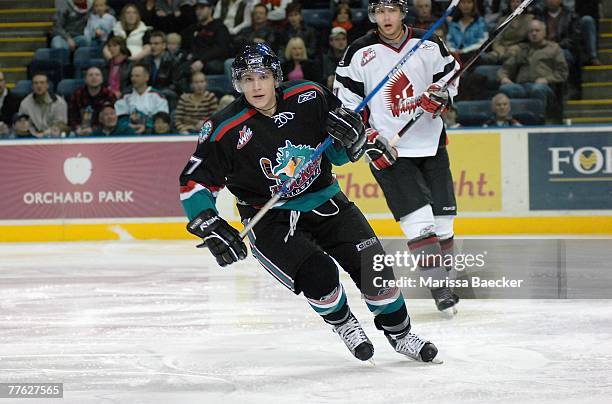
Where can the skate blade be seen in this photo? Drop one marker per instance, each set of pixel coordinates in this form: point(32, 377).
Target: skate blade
point(371, 360)
point(450, 312)
point(437, 361)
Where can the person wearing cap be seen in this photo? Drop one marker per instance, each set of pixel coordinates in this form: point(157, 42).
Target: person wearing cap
point(109, 123)
point(21, 127)
point(337, 46)
point(206, 42)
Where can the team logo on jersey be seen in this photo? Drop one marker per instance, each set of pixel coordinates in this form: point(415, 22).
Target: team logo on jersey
point(311, 95)
point(291, 160)
point(427, 46)
point(245, 135)
point(367, 56)
point(399, 94)
point(205, 131)
point(282, 118)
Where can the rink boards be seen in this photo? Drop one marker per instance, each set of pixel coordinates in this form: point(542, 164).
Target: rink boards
point(551, 180)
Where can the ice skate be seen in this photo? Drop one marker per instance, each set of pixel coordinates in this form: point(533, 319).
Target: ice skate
point(355, 338)
point(446, 300)
point(414, 347)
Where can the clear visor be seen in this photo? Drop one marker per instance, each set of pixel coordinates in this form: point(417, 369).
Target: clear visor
point(251, 72)
point(379, 9)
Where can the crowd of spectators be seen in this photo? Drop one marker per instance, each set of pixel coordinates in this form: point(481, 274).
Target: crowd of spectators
point(158, 55)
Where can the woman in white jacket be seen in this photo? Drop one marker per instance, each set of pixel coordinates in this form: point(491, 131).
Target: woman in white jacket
point(135, 32)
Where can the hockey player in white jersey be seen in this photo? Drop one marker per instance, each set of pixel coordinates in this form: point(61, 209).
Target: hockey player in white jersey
point(415, 174)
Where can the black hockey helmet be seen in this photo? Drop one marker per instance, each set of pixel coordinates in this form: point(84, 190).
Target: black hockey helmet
point(372, 4)
point(255, 57)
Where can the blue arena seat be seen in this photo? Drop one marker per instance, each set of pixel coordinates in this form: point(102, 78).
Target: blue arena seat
point(59, 55)
point(317, 18)
point(528, 111)
point(87, 52)
point(67, 87)
point(219, 84)
point(22, 88)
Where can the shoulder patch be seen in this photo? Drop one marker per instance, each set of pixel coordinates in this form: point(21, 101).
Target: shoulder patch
point(205, 131)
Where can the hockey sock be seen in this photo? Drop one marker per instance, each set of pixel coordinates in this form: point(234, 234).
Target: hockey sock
point(318, 279)
point(389, 309)
point(447, 248)
point(429, 257)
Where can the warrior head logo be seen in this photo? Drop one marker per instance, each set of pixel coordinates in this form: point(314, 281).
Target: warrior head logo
point(399, 95)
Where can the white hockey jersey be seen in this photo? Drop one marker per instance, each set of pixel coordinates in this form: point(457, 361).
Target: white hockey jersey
point(368, 60)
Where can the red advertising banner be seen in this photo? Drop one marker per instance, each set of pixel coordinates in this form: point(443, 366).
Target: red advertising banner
point(88, 180)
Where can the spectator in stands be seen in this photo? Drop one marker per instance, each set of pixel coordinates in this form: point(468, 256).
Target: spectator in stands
point(93, 95)
point(99, 24)
point(297, 65)
point(297, 28)
point(134, 31)
point(70, 22)
point(173, 43)
point(235, 14)
point(148, 12)
point(507, 43)
point(108, 123)
point(168, 13)
point(449, 116)
point(337, 45)
point(342, 17)
point(502, 113)
point(9, 104)
point(138, 107)
point(424, 16)
point(562, 27)
point(467, 31)
point(119, 66)
point(206, 42)
point(276, 11)
point(195, 107)
point(162, 124)
point(259, 31)
point(588, 10)
point(21, 127)
point(226, 100)
point(535, 69)
point(48, 112)
point(163, 68)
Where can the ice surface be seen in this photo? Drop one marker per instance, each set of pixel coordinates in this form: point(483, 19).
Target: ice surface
point(159, 322)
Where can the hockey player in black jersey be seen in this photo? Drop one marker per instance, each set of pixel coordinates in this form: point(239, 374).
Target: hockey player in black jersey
point(415, 174)
point(263, 138)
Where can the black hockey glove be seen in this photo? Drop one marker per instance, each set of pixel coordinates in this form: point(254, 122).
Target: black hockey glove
point(380, 154)
point(347, 128)
point(221, 239)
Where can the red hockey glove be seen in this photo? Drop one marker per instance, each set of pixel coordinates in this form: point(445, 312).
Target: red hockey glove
point(379, 152)
point(434, 100)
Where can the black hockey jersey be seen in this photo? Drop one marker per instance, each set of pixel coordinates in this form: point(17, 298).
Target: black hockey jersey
point(253, 154)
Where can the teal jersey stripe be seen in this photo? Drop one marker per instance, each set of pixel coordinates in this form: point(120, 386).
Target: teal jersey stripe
point(387, 308)
point(337, 157)
point(308, 83)
point(311, 200)
point(199, 202)
point(228, 121)
point(267, 264)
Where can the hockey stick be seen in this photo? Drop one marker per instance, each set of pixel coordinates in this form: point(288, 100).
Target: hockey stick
point(498, 31)
point(328, 141)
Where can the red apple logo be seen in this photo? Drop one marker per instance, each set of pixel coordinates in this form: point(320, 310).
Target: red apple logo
point(77, 169)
